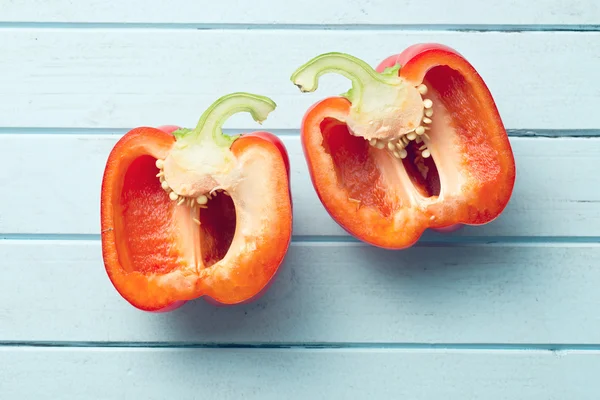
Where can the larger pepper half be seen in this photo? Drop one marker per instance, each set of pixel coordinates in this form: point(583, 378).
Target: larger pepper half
point(190, 213)
point(416, 143)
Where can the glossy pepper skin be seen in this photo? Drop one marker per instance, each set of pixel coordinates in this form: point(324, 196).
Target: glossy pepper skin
point(160, 252)
point(416, 144)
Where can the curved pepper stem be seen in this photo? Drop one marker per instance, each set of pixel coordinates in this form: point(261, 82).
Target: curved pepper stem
point(200, 159)
point(384, 105)
point(356, 70)
point(212, 120)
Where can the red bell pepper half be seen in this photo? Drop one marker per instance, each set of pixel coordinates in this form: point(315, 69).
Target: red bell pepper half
point(191, 213)
point(416, 143)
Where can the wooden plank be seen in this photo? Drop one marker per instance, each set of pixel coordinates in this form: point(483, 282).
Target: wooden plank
point(333, 12)
point(123, 78)
point(54, 183)
point(325, 293)
point(304, 374)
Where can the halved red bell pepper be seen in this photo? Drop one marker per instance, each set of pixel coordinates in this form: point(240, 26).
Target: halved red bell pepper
point(417, 143)
point(191, 213)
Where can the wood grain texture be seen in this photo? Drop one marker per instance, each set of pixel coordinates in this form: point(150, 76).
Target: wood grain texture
point(373, 12)
point(126, 77)
point(324, 293)
point(305, 374)
point(54, 183)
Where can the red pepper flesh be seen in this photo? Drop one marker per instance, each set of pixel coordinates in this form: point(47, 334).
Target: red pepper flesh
point(193, 213)
point(416, 144)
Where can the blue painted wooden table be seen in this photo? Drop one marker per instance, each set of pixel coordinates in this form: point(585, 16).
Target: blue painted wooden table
point(504, 311)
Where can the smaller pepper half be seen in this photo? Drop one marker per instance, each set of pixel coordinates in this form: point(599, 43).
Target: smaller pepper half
point(189, 213)
point(417, 143)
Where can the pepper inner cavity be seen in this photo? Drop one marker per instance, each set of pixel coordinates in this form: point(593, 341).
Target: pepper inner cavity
point(144, 215)
point(216, 224)
point(355, 168)
point(412, 150)
point(217, 228)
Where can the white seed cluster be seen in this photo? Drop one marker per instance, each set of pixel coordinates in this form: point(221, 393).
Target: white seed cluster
point(192, 202)
point(398, 147)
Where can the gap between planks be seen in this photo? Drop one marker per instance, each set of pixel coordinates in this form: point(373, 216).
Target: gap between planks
point(358, 346)
point(505, 28)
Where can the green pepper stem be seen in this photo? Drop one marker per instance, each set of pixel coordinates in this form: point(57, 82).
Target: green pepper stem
point(212, 120)
point(383, 104)
point(357, 71)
